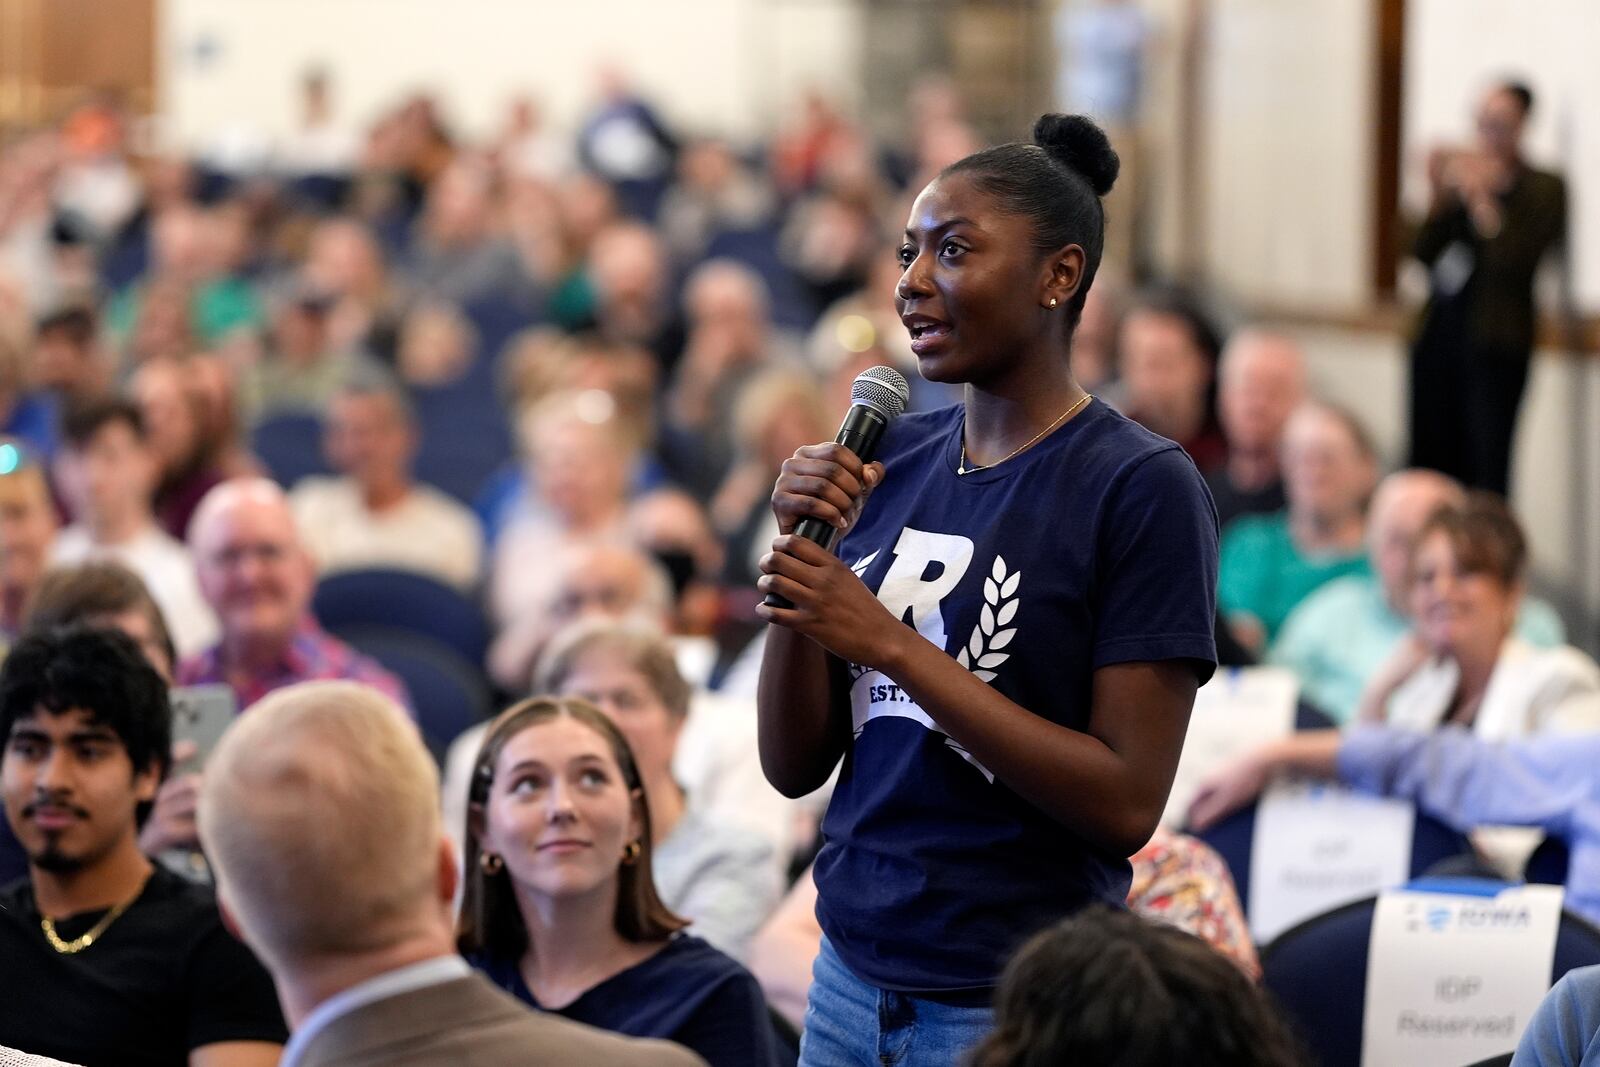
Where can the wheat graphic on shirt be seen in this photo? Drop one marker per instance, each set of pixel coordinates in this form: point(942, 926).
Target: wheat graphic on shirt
point(982, 654)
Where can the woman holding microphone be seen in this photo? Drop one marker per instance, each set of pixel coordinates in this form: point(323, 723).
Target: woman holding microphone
point(1006, 648)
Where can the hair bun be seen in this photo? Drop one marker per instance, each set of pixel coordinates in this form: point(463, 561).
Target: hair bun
point(1076, 141)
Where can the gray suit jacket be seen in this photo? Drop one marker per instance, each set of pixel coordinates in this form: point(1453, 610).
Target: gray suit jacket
point(469, 1023)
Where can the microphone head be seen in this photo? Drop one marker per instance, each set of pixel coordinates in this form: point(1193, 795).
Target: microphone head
point(883, 389)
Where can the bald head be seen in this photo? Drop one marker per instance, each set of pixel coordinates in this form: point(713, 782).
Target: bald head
point(253, 569)
point(320, 815)
point(613, 581)
point(1261, 380)
point(1404, 501)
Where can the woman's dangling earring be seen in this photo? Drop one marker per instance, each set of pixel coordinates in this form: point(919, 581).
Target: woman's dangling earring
point(631, 852)
point(491, 863)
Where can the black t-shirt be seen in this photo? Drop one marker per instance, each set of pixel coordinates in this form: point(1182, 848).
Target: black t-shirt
point(688, 993)
point(165, 978)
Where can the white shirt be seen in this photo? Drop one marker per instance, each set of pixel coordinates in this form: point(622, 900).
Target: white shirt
point(427, 532)
point(386, 986)
point(1530, 691)
point(167, 570)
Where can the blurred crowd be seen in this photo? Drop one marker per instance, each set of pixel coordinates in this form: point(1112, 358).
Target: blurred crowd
point(553, 377)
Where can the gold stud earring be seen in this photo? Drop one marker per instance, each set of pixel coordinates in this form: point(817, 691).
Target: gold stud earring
point(1053, 303)
point(631, 852)
point(491, 863)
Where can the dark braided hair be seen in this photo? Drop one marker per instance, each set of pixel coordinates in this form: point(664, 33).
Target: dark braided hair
point(1056, 181)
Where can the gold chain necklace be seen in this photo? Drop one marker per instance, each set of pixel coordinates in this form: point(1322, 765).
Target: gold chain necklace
point(78, 944)
point(962, 468)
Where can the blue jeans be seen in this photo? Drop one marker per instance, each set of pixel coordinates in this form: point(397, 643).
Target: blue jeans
point(852, 1024)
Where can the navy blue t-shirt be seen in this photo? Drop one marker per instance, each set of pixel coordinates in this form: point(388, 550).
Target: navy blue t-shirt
point(1096, 546)
point(688, 993)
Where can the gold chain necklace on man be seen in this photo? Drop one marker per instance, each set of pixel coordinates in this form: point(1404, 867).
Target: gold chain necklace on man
point(78, 944)
point(962, 468)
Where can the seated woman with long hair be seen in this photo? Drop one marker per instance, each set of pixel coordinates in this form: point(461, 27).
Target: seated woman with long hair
point(722, 877)
point(560, 907)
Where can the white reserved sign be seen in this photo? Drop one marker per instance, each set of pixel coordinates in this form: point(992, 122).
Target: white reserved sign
point(1237, 710)
point(1318, 846)
point(1454, 979)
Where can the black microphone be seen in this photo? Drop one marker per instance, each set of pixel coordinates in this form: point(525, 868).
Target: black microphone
point(877, 397)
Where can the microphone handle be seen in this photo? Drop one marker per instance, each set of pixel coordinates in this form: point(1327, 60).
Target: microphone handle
point(860, 432)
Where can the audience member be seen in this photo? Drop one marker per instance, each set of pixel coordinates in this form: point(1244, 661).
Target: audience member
point(345, 261)
point(1177, 880)
point(1461, 665)
point(27, 533)
point(105, 594)
point(68, 358)
point(352, 914)
point(625, 141)
point(302, 367)
point(561, 907)
point(1341, 635)
point(374, 514)
point(603, 581)
point(627, 269)
point(1260, 381)
point(436, 346)
point(257, 575)
point(174, 420)
point(1565, 1030)
point(108, 473)
point(1094, 342)
point(1272, 562)
point(578, 459)
point(1108, 987)
point(731, 339)
point(111, 960)
point(718, 874)
point(1167, 355)
point(714, 194)
point(675, 530)
point(25, 412)
point(776, 414)
point(1492, 219)
point(187, 279)
point(456, 255)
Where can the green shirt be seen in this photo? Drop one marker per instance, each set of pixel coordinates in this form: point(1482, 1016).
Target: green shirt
point(1341, 634)
point(1264, 575)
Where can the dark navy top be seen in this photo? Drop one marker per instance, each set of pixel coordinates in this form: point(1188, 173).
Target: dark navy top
point(1096, 546)
point(688, 993)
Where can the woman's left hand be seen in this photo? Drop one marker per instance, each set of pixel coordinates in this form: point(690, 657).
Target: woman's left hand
point(831, 605)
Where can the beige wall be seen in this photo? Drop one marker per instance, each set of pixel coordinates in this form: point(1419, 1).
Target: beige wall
point(1287, 152)
point(719, 65)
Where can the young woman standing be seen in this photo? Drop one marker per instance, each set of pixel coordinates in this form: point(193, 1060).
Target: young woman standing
point(1006, 648)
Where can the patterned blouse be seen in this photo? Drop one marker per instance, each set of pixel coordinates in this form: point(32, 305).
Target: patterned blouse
point(1181, 881)
point(311, 655)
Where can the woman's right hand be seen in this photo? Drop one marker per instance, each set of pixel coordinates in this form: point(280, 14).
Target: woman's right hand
point(825, 481)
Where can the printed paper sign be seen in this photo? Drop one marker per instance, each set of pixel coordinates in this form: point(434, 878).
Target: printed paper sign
point(1237, 710)
point(1318, 846)
point(1454, 979)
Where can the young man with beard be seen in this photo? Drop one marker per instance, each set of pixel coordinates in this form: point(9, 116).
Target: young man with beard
point(109, 959)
